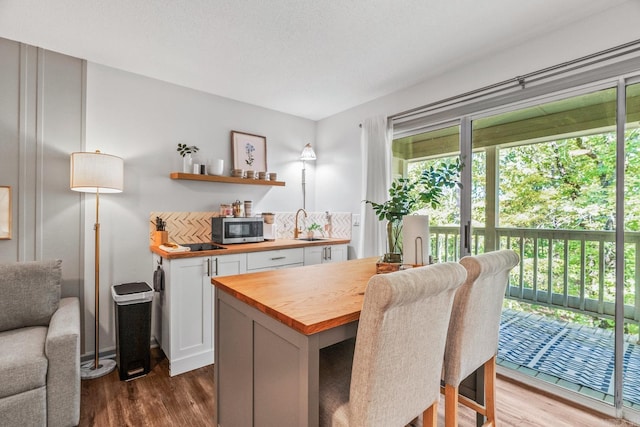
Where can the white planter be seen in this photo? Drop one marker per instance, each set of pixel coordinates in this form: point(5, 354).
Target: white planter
point(187, 164)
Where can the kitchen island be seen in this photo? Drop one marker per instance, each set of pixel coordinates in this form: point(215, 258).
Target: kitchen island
point(269, 330)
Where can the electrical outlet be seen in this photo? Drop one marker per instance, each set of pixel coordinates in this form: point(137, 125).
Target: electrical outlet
point(355, 220)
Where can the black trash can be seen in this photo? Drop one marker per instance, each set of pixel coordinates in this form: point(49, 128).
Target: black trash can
point(132, 304)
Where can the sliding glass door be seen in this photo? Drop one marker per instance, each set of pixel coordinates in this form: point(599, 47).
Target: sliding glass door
point(558, 181)
point(553, 175)
point(630, 276)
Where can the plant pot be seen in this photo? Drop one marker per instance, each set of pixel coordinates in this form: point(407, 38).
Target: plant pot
point(187, 164)
point(392, 257)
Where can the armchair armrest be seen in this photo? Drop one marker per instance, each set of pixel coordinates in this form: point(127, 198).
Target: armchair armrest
point(62, 348)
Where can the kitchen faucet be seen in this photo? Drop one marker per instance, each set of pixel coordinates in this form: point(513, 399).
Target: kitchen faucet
point(296, 230)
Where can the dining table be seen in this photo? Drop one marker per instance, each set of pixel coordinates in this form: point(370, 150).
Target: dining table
point(270, 328)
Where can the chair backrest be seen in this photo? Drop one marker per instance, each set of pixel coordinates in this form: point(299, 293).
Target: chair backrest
point(399, 349)
point(475, 319)
point(29, 293)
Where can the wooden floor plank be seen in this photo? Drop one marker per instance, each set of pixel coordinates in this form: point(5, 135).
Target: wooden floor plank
point(189, 400)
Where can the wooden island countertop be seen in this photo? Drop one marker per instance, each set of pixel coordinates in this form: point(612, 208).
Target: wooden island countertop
point(308, 299)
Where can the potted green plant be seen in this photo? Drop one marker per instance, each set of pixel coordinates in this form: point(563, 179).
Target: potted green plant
point(406, 196)
point(311, 230)
point(185, 151)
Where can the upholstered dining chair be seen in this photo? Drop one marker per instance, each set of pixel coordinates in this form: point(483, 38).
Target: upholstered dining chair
point(472, 340)
point(391, 371)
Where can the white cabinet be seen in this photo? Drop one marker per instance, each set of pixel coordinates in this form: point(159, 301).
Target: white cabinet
point(187, 308)
point(271, 260)
point(324, 254)
point(184, 328)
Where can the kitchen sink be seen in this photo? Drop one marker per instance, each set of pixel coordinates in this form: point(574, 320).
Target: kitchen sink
point(312, 239)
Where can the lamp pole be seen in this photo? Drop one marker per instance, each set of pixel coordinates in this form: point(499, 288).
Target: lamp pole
point(304, 196)
point(96, 228)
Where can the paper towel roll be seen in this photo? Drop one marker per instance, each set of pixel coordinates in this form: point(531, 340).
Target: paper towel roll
point(415, 239)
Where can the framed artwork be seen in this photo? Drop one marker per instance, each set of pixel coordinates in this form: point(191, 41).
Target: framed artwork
point(5, 212)
point(249, 152)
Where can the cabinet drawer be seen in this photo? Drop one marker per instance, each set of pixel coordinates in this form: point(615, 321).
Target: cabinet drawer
point(272, 259)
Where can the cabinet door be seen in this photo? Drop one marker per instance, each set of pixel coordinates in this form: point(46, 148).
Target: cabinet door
point(228, 265)
point(334, 253)
point(313, 255)
point(191, 314)
point(324, 254)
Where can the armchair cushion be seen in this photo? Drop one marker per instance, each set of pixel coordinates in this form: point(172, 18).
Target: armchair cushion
point(29, 293)
point(23, 365)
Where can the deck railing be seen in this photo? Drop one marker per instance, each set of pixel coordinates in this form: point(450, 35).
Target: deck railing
point(567, 269)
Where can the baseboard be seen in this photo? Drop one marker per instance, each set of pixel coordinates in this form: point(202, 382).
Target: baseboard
point(180, 366)
point(110, 352)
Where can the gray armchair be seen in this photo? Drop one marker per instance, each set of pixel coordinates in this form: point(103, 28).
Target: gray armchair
point(39, 347)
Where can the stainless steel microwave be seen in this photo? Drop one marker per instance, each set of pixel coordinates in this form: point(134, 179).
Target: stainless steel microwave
point(227, 230)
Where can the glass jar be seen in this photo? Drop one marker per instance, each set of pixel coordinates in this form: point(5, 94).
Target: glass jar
point(225, 210)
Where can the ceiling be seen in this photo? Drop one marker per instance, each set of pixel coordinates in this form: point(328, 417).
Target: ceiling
point(309, 58)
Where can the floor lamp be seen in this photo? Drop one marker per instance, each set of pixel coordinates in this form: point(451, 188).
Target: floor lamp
point(96, 173)
point(307, 154)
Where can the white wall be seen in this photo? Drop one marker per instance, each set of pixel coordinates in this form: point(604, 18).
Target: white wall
point(40, 124)
point(142, 120)
point(338, 139)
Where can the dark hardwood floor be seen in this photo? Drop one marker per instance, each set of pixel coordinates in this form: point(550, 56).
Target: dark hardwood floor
point(188, 400)
point(153, 400)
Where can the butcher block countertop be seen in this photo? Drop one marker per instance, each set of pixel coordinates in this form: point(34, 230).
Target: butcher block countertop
point(249, 247)
point(308, 299)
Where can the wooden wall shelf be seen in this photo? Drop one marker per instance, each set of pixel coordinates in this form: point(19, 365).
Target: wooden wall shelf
point(226, 179)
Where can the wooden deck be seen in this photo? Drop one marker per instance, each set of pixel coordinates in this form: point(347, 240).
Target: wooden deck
point(576, 357)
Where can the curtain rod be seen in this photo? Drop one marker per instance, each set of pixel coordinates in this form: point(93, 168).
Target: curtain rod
point(523, 80)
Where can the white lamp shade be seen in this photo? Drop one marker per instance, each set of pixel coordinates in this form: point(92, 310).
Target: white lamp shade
point(308, 153)
point(93, 172)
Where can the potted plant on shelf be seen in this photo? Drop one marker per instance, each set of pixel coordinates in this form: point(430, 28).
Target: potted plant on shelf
point(406, 196)
point(186, 151)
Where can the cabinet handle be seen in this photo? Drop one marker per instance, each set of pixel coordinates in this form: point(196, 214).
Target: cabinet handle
point(329, 251)
point(209, 267)
point(216, 266)
point(277, 258)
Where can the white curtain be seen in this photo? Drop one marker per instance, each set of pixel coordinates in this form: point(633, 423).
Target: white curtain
point(376, 179)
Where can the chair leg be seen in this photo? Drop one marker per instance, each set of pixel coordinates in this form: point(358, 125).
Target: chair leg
point(430, 416)
point(452, 398)
point(450, 406)
point(490, 391)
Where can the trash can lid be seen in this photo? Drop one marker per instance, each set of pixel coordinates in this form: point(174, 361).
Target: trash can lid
point(131, 288)
point(131, 293)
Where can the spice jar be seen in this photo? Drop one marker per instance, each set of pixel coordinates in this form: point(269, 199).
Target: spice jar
point(237, 209)
point(225, 210)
